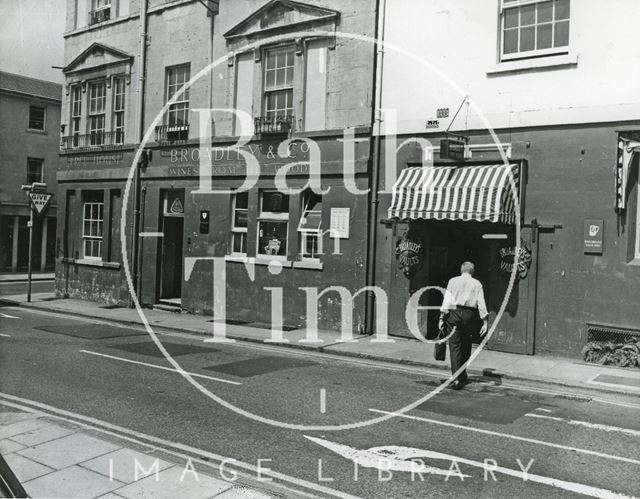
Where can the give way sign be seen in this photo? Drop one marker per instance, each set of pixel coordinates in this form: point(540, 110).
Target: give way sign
point(40, 201)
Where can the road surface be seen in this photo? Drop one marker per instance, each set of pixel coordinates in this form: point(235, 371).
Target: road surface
point(485, 441)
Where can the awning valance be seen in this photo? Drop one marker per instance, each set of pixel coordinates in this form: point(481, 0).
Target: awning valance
point(483, 193)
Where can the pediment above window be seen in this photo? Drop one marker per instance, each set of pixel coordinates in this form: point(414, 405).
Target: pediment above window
point(282, 16)
point(97, 56)
point(97, 61)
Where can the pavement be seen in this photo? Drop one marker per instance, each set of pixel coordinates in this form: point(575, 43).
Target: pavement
point(497, 366)
point(54, 458)
point(18, 277)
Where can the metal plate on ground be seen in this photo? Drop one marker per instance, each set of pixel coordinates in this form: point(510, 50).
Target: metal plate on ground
point(610, 379)
point(261, 365)
point(480, 405)
point(91, 332)
point(175, 349)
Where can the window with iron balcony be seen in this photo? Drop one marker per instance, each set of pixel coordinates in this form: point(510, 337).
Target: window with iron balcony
point(101, 11)
point(97, 115)
point(285, 90)
point(176, 119)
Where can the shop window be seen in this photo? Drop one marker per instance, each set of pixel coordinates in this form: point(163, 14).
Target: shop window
point(310, 226)
point(240, 210)
point(531, 28)
point(35, 170)
point(273, 224)
point(117, 121)
point(97, 108)
point(92, 224)
point(36, 118)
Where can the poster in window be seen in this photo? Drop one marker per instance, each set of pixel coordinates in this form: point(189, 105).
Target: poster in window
point(340, 223)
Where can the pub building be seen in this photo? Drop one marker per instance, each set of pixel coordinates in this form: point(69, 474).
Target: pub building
point(447, 212)
point(301, 89)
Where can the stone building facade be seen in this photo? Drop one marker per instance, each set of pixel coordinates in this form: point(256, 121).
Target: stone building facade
point(29, 140)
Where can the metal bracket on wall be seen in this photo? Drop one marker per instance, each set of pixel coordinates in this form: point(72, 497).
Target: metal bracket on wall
point(536, 227)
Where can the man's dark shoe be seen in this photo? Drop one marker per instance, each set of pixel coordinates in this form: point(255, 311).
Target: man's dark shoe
point(456, 385)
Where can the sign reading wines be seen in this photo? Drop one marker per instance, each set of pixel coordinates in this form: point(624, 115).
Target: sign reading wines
point(40, 201)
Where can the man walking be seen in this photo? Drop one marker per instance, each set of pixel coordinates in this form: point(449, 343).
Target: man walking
point(464, 309)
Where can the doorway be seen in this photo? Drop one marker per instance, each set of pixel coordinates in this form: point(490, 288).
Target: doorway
point(447, 244)
point(171, 255)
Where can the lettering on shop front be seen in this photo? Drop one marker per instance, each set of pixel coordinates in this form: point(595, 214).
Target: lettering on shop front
point(236, 170)
point(103, 160)
point(296, 151)
point(508, 260)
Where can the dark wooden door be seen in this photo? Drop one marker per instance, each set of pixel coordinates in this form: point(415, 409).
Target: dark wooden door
point(171, 278)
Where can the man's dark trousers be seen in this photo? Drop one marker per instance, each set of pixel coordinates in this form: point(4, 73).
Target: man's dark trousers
point(467, 323)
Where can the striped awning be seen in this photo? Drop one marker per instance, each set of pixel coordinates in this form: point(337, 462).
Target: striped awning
point(484, 193)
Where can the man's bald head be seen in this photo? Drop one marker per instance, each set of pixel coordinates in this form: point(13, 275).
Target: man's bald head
point(467, 268)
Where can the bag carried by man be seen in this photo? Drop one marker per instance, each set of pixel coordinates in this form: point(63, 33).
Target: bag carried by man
point(440, 350)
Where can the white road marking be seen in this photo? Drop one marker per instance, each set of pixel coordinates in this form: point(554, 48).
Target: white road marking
point(543, 410)
point(398, 458)
point(5, 335)
point(323, 400)
point(374, 364)
point(7, 316)
point(164, 368)
point(174, 448)
point(512, 437)
point(594, 426)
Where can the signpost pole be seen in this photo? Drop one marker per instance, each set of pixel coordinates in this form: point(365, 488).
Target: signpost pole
point(30, 251)
point(38, 202)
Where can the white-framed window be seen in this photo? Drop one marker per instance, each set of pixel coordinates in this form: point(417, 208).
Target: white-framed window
point(532, 28)
point(101, 10)
point(273, 224)
point(76, 113)
point(35, 170)
point(97, 109)
point(178, 113)
point(239, 225)
point(279, 81)
point(310, 226)
point(92, 222)
point(117, 121)
point(37, 119)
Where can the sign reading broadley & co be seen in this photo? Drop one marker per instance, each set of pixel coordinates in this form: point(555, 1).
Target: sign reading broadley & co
point(232, 160)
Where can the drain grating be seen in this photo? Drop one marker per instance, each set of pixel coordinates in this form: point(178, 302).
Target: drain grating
point(175, 349)
point(91, 332)
point(261, 365)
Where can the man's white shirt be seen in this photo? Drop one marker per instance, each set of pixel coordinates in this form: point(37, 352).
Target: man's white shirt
point(464, 291)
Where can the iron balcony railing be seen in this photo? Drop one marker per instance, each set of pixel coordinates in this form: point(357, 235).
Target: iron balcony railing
point(172, 133)
point(99, 15)
point(273, 124)
point(94, 140)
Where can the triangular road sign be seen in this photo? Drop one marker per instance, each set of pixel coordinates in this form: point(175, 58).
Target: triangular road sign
point(40, 201)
